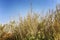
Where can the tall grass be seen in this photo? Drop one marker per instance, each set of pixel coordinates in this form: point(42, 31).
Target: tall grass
point(32, 27)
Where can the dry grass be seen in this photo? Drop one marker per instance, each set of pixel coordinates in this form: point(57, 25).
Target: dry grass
point(33, 28)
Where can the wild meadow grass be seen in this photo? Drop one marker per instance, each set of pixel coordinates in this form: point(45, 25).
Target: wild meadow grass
point(32, 27)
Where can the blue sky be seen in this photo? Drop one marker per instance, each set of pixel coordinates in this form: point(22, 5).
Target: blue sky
point(11, 9)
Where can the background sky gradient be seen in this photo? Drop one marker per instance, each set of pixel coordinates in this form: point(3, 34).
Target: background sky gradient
point(11, 9)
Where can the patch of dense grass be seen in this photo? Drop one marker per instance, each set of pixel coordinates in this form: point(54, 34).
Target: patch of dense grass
point(32, 27)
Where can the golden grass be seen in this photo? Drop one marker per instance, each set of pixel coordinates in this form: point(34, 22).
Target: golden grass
point(32, 28)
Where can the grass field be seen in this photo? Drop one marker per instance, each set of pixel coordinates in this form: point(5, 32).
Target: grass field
point(33, 27)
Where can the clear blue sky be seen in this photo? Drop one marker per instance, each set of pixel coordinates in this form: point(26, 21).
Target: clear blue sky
point(11, 9)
